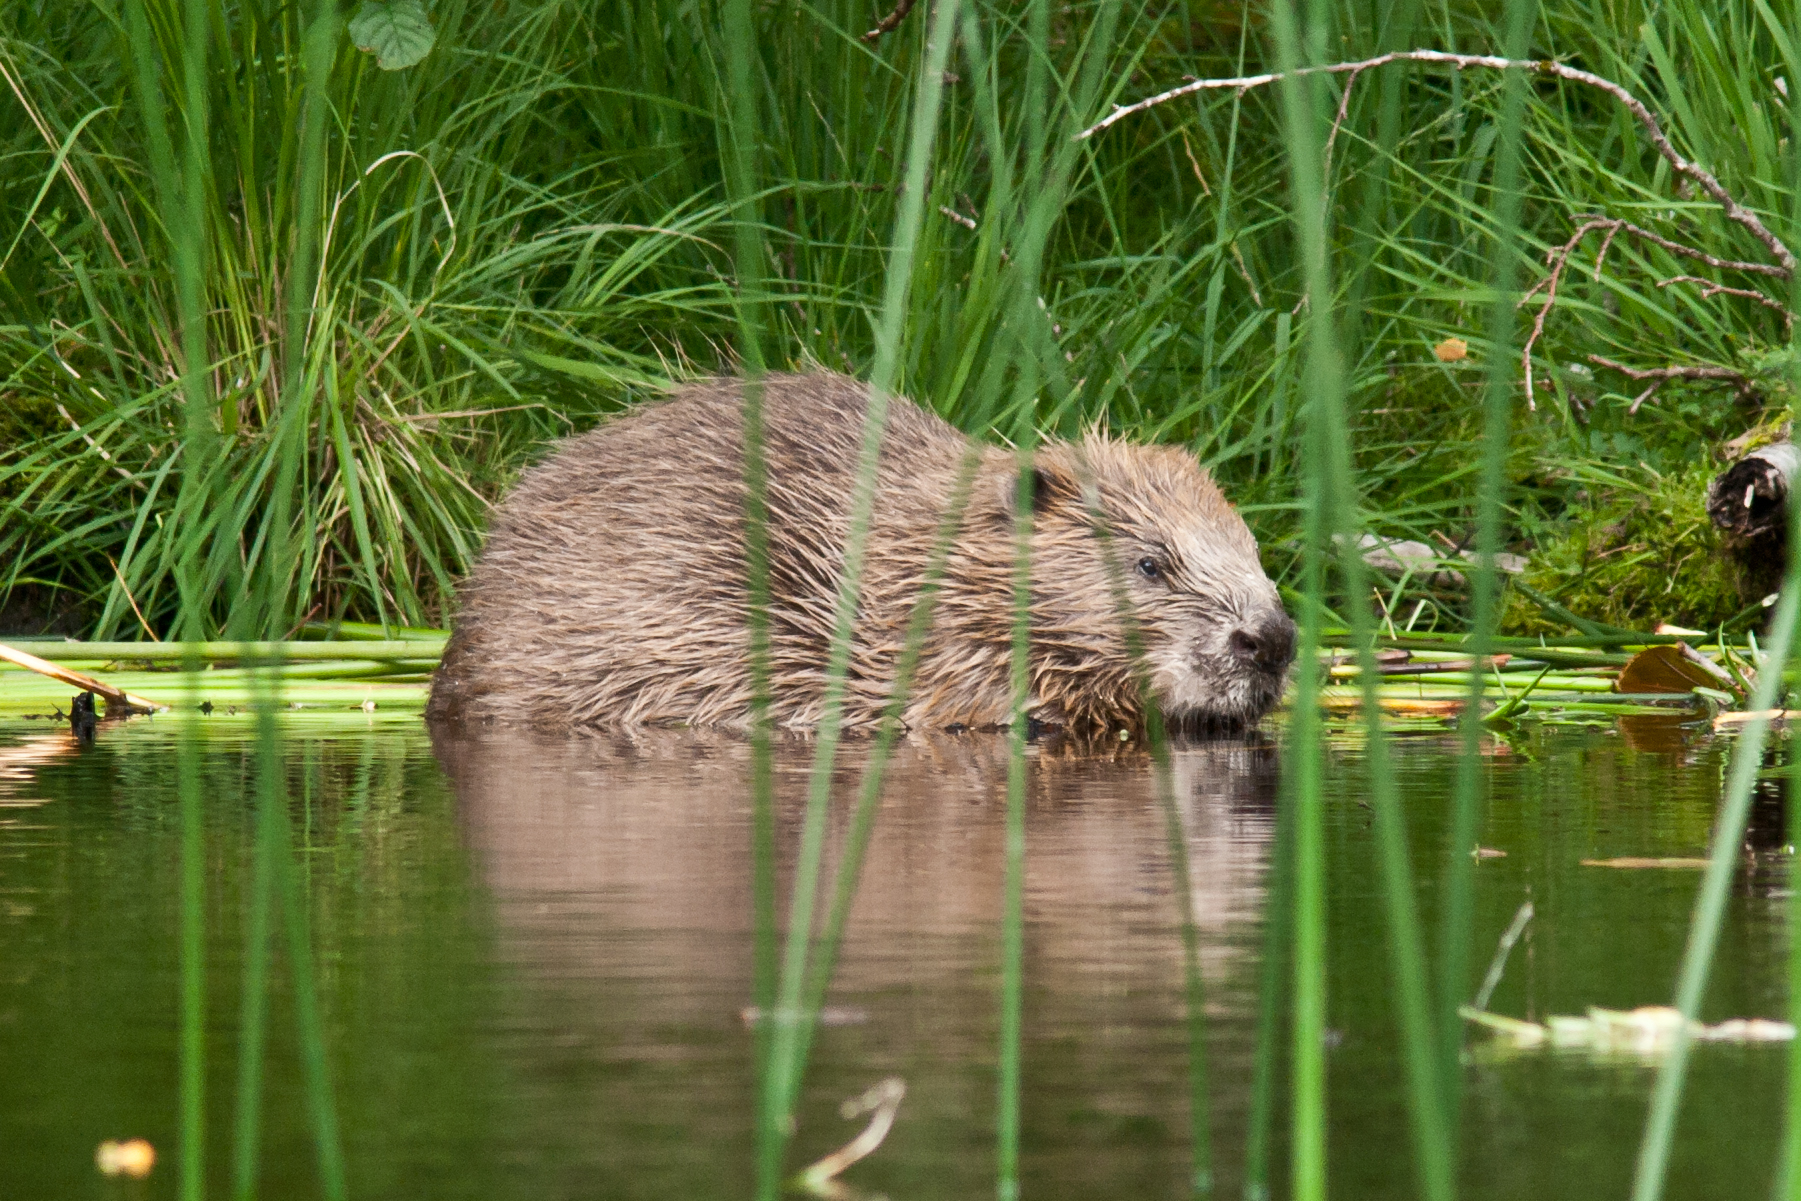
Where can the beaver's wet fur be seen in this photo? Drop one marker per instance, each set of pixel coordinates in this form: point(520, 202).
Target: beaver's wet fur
point(612, 591)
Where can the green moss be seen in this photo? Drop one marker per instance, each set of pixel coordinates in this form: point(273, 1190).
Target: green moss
point(24, 419)
point(1634, 556)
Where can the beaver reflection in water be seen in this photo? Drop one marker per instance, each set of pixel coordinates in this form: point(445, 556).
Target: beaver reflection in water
point(612, 590)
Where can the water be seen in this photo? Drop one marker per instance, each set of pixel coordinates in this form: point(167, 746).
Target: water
point(535, 955)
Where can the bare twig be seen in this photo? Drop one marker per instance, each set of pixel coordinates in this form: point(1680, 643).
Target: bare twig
point(881, 1102)
point(74, 679)
point(1558, 259)
point(968, 223)
point(891, 22)
point(1344, 108)
point(1244, 272)
point(1735, 211)
point(1498, 964)
point(1710, 289)
point(1658, 376)
point(1195, 163)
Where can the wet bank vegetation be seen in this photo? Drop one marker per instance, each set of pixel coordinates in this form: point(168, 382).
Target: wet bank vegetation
point(411, 278)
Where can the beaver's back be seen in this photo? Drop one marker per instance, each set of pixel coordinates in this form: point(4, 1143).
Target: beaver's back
point(613, 585)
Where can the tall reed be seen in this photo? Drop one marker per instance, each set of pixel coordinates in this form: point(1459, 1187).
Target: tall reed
point(1458, 919)
point(783, 1064)
point(740, 102)
point(1742, 773)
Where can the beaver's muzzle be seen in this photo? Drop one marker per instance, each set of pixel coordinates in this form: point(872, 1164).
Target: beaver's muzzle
point(1266, 643)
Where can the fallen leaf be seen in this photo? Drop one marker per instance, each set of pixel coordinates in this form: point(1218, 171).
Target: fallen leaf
point(1641, 861)
point(1452, 350)
point(1664, 669)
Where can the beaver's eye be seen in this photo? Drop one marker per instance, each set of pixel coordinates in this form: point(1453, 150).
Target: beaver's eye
point(1148, 568)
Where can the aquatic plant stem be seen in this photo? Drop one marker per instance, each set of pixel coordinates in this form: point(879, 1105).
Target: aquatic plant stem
point(186, 216)
point(253, 1009)
point(1013, 887)
point(1194, 997)
point(1277, 909)
point(303, 286)
point(1334, 497)
point(1716, 882)
point(193, 957)
point(783, 1078)
point(1307, 1140)
point(1735, 805)
point(320, 1104)
point(1789, 1165)
point(849, 868)
point(739, 133)
point(1457, 920)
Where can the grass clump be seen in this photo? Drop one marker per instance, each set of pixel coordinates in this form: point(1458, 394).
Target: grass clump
point(526, 229)
point(1636, 549)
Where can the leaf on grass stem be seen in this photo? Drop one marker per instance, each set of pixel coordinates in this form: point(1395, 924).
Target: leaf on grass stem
point(398, 32)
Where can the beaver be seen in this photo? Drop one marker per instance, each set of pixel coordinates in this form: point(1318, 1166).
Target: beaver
point(613, 587)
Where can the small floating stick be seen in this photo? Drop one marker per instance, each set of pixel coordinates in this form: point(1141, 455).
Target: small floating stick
point(1498, 964)
point(882, 1102)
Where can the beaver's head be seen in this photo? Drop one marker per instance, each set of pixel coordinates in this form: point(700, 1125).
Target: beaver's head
point(1215, 639)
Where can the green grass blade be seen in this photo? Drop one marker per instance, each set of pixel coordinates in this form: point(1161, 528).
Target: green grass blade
point(785, 1067)
point(1458, 918)
point(1716, 883)
point(1007, 1114)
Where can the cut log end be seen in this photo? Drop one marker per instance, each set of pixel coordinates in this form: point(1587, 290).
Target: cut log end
point(1747, 500)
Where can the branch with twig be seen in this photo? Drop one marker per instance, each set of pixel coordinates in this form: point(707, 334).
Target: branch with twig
point(1709, 289)
point(1659, 376)
point(891, 22)
point(1551, 68)
point(1557, 259)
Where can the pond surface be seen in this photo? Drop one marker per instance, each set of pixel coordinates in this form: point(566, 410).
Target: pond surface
point(534, 956)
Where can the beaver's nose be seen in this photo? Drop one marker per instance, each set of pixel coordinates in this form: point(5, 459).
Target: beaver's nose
point(1268, 643)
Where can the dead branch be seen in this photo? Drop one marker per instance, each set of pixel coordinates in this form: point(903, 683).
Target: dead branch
point(891, 22)
point(1658, 376)
point(1557, 259)
point(74, 679)
point(1344, 108)
point(1710, 289)
point(1735, 211)
point(968, 223)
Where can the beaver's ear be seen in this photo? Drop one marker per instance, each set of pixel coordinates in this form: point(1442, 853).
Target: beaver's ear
point(1052, 488)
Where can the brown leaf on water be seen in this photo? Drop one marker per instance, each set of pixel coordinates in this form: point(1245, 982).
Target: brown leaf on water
point(1452, 350)
point(1630, 861)
point(1664, 669)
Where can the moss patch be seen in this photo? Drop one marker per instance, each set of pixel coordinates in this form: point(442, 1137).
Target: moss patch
point(1635, 553)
